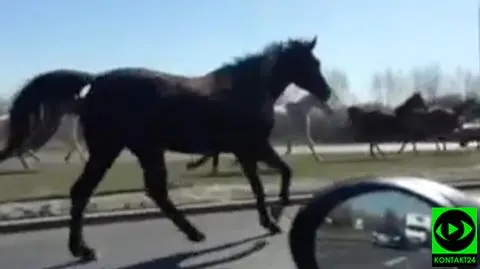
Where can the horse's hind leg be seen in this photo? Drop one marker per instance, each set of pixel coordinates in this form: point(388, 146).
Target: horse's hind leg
point(32, 154)
point(101, 159)
point(248, 162)
point(23, 161)
point(310, 141)
point(155, 178)
point(289, 146)
point(272, 159)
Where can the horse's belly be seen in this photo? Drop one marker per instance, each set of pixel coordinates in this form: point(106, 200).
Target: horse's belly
point(196, 139)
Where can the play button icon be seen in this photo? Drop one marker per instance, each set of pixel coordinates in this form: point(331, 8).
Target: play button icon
point(451, 229)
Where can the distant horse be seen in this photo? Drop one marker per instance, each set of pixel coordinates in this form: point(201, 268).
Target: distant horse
point(414, 103)
point(377, 126)
point(71, 139)
point(296, 111)
point(37, 109)
point(20, 154)
point(373, 127)
point(470, 131)
point(437, 123)
point(229, 109)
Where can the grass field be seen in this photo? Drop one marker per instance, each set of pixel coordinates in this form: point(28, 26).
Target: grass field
point(55, 180)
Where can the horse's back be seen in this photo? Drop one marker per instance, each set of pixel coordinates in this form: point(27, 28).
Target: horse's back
point(138, 102)
point(376, 125)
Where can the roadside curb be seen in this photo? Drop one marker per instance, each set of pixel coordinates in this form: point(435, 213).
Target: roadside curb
point(17, 226)
point(302, 197)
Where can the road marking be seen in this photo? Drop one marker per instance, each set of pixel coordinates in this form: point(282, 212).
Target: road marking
point(395, 261)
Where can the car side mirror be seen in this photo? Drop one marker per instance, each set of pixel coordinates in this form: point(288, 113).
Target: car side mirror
point(374, 222)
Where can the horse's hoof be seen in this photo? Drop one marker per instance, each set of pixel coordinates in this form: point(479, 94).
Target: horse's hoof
point(274, 229)
point(276, 211)
point(86, 254)
point(196, 237)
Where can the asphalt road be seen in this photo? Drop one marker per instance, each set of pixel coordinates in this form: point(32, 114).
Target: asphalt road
point(233, 242)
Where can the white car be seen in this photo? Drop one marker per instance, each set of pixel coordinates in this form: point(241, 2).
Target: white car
point(382, 239)
point(417, 229)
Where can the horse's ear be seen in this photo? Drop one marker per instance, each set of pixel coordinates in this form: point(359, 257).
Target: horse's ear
point(313, 43)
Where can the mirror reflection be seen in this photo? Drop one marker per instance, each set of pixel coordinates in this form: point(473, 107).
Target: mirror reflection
point(385, 229)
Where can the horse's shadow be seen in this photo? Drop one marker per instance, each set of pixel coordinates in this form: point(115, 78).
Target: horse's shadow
point(174, 261)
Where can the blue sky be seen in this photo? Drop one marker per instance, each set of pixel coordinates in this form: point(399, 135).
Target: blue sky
point(194, 37)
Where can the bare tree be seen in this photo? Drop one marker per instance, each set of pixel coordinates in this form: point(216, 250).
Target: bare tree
point(377, 88)
point(338, 80)
point(417, 79)
point(432, 81)
point(390, 82)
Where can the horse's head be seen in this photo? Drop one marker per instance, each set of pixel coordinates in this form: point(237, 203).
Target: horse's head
point(414, 102)
point(354, 114)
point(297, 64)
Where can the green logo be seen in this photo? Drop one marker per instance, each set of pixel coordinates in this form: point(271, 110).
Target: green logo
point(454, 236)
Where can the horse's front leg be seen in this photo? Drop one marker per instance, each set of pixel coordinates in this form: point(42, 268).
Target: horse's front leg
point(23, 161)
point(270, 157)
point(248, 161)
point(288, 150)
point(310, 142)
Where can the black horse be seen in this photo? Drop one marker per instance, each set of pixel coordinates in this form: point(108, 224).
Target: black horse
point(375, 126)
point(437, 123)
point(227, 110)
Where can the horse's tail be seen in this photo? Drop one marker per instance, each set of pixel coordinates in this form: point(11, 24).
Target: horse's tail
point(52, 91)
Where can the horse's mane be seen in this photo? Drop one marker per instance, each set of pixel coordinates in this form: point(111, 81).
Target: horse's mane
point(264, 59)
